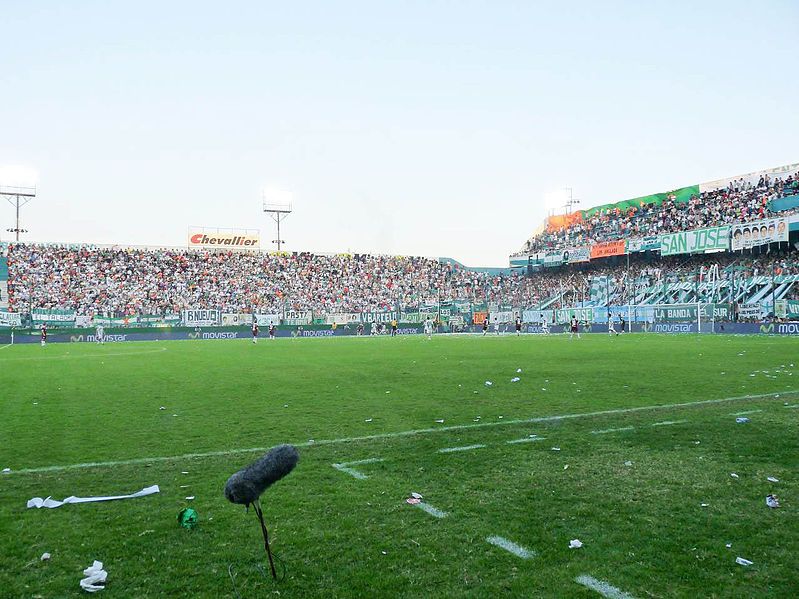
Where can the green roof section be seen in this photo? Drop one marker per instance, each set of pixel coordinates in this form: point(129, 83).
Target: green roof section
point(681, 195)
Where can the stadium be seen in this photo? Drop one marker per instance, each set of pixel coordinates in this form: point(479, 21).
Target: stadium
point(609, 413)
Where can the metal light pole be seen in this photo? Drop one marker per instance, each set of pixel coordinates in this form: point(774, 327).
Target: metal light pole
point(18, 197)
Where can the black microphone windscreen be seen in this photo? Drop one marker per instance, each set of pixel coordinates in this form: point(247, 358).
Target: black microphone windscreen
point(246, 485)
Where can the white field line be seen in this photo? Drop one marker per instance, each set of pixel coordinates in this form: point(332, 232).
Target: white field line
point(669, 422)
point(86, 356)
point(796, 405)
point(464, 448)
point(397, 434)
point(435, 512)
point(346, 467)
point(525, 440)
point(512, 547)
point(613, 430)
point(745, 413)
point(5, 346)
point(603, 588)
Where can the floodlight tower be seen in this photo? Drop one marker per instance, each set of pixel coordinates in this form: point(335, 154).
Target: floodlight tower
point(17, 197)
point(278, 212)
point(571, 202)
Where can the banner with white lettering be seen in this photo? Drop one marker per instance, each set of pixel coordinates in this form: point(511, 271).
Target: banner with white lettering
point(10, 319)
point(202, 318)
point(761, 232)
point(696, 241)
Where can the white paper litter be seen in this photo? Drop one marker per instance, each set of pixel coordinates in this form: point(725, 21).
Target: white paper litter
point(703, 505)
point(732, 474)
point(771, 479)
point(416, 495)
point(6, 470)
point(489, 383)
point(95, 578)
point(743, 562)
point(518, 370)
point(184, 472)
point(575, 544)
point(45, 557)
point(515, 379)
point(556, 449)
point(628, 463)
point(368, 420)
point(440, 421)
point(772, 501)
point(162, 408)
point(566, 467)
point(742, 420)
point(728, 545)
point(38, 502)
point(190, 497)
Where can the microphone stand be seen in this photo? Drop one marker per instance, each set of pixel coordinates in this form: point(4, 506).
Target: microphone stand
point(260, 513)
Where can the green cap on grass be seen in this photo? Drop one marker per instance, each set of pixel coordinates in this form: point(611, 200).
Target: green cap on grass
point(188, 518)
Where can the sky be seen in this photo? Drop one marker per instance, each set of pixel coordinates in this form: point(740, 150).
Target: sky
point(434, 128)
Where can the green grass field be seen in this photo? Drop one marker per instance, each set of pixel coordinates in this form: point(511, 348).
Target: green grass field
point(85, 420)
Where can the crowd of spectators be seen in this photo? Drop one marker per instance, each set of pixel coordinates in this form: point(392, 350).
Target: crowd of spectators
point(125, 282)
point(740, 201)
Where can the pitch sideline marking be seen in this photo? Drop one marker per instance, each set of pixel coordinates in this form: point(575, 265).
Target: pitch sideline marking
point(84, 356)
point(511, 547)
point(396, 434)
point(464, 448)
point(669, 422)
point(525, 440)
point(346, 467)
point(745, 413)
point(5, 346)
point(435, 512)
point(603, 588)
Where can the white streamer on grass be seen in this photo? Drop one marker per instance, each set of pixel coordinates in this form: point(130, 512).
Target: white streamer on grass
point(669, 422)
point(464, 448)
point(603, 588)
point(393, 435)
point(525, 440)
point(511, 547)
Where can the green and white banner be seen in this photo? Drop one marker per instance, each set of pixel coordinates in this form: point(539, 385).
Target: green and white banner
point(581, 314)
point(642, 244)
point(696, 241)
point(10, 319)
point(64, 318)
point(688, 312)
point(202, 318)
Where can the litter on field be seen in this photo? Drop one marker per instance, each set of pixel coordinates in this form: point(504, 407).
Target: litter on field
point(441, 421)
point(556, 449)
point(771, 479)
point(413, 501)
point(743, 562)
point(566, 467)
point(38, 502)
point(732, 474)
point(575, 544)
point(416, 495)
point(742, 420)
point(628, 463)
point(190, 497)
point(515, 379)
point(95, 578)
point(703, 505)
point(518, 370)
point(772, 501)
point(162, 408)
point(6, 470)
point(368, 420)
point(728, 545)
point(45, 557)
point(489, 383)
point(184, 472)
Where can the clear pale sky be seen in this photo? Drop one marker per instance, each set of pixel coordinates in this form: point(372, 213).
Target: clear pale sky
point(434, 128)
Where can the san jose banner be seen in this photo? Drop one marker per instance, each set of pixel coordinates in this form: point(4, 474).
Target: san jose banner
point(581, 314)
point(697, 241)
point(64, 318)
point(202, 318)
point(10, 319)
point(761, 232)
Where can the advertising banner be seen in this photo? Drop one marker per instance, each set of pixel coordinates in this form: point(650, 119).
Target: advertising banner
point(786, 309)
point(202, 318)
point(412, 317)
point(384, 317)
point(226, 239)
point(64, 318)
point(479, 317)
point(265, 319)
point(696, 241)
point(642, 244)
point(501, 317)
point(609, 248)
point(10, 319)
point(135, 321)
point(761, 232)
point(555, 258)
